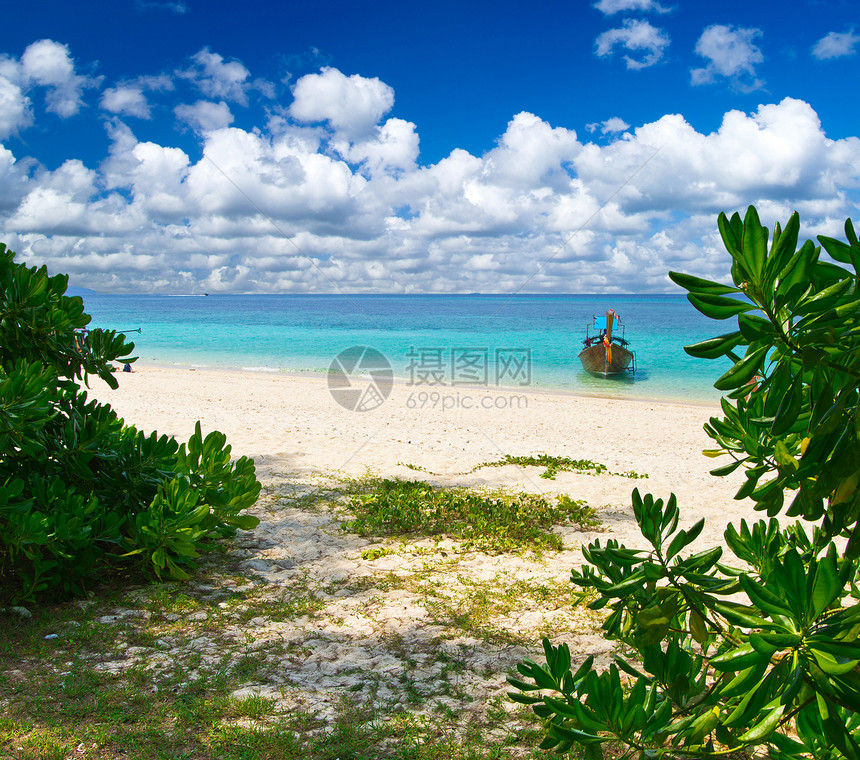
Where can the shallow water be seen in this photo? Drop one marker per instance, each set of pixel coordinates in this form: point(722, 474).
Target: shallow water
point(523, 341)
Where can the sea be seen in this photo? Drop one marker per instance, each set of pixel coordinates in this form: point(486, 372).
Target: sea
point(434, 341)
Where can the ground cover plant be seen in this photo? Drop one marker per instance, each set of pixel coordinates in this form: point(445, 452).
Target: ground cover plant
point(494, 521)
point(724, 657)
point(555, 464)
point(250, 660)
point(81, 493)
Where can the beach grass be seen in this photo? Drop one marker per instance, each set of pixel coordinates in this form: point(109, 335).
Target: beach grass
point(554, 464)
point(218, 667)
point(494, 521)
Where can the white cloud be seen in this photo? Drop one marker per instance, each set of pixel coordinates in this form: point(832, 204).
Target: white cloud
point(836, 45)
point(292, 205)
point(352, 105)
point(126, 100)
point(204, 116)
point(611, 126)
point(49, 64)
point(217, 78)
point(731, 54)
point(129, 98)
point(392, 147)
point(644, 43)
point(15, 109)
point(610, 7)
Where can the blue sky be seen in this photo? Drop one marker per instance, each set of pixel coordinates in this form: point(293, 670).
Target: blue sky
point(417, 147)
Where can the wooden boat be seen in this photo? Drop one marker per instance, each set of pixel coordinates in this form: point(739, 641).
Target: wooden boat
point(606, 351)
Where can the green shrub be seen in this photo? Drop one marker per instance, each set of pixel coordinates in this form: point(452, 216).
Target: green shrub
point(81, 493)
point(765, 651)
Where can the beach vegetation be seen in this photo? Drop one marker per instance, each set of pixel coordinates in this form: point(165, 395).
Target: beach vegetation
point(222, 666)
point(496, 521)
point(728, 653)
point(82, 494)
point(554, 464)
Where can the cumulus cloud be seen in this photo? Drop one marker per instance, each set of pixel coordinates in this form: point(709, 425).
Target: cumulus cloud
point(731, 54)
point(352, 105)
point(393, 147)
point(44, 65)
point(49, 64)
point(610, 7)
point(644, 43)
point(15, 108)
point(126, 100)
point(835, 45)
point(329, 194)
point(611, 126)
point(204, 116)
point(129, 98)
point(224, 80)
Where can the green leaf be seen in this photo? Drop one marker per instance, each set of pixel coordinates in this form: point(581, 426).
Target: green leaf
point(744, 371)
point(727, 469)
point(831, 664)
point(763, 598)
point(754, 243)
point(765, 727)
point(715, 347)
point(790, 408)
point(684, 538)
point(719, 307)
point(739, 658)
point(836, 248)
point(698, 630)
point(827, 587)
point(698, 285)
point(739, 615)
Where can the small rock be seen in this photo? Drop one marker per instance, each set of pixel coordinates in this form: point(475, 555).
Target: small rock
point(21, 612)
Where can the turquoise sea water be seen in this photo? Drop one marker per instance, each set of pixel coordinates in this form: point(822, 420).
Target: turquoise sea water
point(492, 340)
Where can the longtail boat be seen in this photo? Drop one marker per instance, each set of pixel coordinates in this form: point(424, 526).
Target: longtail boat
point(606, 351)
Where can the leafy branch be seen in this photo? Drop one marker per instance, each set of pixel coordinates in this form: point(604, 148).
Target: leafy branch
point(765, 651)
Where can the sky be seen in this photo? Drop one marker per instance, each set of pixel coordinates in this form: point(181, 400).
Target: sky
point(182, 146)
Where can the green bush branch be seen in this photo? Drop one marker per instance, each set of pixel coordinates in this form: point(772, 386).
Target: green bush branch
point(729, 657)
point(81, 493)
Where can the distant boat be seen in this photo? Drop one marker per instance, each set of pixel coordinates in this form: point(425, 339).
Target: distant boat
point(606, 353)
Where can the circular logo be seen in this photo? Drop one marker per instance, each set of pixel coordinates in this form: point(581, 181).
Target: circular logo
point(360, 378)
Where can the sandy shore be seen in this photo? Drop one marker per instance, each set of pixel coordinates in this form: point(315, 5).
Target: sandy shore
point(292, 426)
point(389, 622)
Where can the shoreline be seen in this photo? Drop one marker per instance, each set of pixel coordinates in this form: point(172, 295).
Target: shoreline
point(321, 374)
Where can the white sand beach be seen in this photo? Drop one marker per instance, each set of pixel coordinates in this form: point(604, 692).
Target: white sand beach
point(386, 622)
point(292, 425)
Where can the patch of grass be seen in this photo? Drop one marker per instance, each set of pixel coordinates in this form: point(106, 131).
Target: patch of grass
point(302, 596)
point(475, 608)
point(497, 521)
point(557, 464)
point(86, 693)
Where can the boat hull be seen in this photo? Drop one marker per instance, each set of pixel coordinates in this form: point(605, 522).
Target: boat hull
point(595, 360)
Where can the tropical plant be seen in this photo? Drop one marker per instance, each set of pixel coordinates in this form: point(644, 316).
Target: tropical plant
point(81, 493)
point(725, 657)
